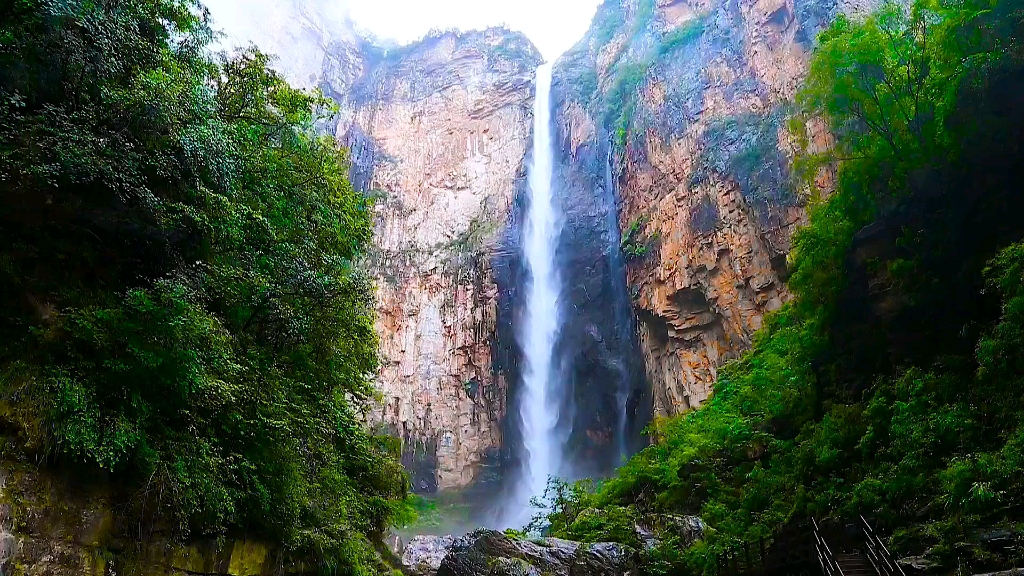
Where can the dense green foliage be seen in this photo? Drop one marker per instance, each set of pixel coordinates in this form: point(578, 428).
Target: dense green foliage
point(179, 302)
point(633, 244)
point(891, 385)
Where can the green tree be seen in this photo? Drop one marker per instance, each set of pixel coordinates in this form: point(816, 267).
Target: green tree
point(180, 304)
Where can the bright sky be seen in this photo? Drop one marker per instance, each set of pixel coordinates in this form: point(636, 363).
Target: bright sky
point(276, 25)
point(553, 25)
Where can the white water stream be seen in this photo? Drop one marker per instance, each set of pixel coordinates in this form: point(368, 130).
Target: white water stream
point(538, 406)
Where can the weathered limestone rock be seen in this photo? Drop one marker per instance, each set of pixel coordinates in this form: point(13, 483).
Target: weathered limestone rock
point(603, 559)
point(688, 98)
point(491, 553)
point(687, 530)
point(423, 554)
point(512, 567)
point(438, 132)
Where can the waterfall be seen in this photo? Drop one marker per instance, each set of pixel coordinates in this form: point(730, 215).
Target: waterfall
point(623, 316)
point(539, 400)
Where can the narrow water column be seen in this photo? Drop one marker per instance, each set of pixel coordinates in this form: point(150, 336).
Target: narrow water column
point(622, 311)
point(538, 404)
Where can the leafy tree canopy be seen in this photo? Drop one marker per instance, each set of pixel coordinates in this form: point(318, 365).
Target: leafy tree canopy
point(178, 300)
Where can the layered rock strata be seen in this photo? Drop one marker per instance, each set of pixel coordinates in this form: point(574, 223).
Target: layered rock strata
point(689, 99)
point(438, 132)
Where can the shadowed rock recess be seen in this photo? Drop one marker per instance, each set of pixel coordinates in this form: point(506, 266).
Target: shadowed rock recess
point(675, 109)
point(51, 525)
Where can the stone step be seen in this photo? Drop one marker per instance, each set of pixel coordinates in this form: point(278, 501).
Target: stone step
point(855, 564)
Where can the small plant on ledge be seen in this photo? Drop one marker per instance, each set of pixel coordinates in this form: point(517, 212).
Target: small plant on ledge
point(634, 245)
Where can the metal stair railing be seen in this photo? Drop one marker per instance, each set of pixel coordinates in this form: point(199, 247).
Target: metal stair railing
point(791, 549)
point(829, 566)
point(787, 552)
point(878, 553)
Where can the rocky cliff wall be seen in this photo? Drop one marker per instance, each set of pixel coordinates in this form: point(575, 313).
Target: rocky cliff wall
point(439, 132)
point(606, 402)
point(691, 98)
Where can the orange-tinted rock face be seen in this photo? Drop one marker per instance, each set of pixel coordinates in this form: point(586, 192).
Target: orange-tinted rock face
point(691, 95)
point(438, 131)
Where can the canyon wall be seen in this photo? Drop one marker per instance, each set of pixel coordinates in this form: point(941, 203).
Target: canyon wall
point(439, 132)
point(685, 102)
point(606, 401)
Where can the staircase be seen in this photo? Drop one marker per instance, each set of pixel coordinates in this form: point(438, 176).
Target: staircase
point(855, 564)
point(853, 550)
point(808, 548)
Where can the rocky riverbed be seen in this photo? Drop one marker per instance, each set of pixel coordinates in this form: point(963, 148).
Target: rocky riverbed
point(492, 553)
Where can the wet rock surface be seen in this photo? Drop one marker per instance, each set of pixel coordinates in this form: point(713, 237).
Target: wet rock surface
point(597, 347)
point(603, 559)
point(512, 567)
point(52, 525)
point(492, 553)
point(423, 554)
point(687, 530)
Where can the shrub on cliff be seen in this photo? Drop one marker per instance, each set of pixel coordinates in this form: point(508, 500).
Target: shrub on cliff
point(890, 386)
point(178, 301)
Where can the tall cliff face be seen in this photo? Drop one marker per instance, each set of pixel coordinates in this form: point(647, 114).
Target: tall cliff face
point(688, 99)
point(606, 403)
point(438, 132)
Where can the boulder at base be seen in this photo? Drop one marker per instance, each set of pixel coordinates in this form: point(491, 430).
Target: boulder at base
point(654, 528)
point(423, 554)
point(492, 553)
